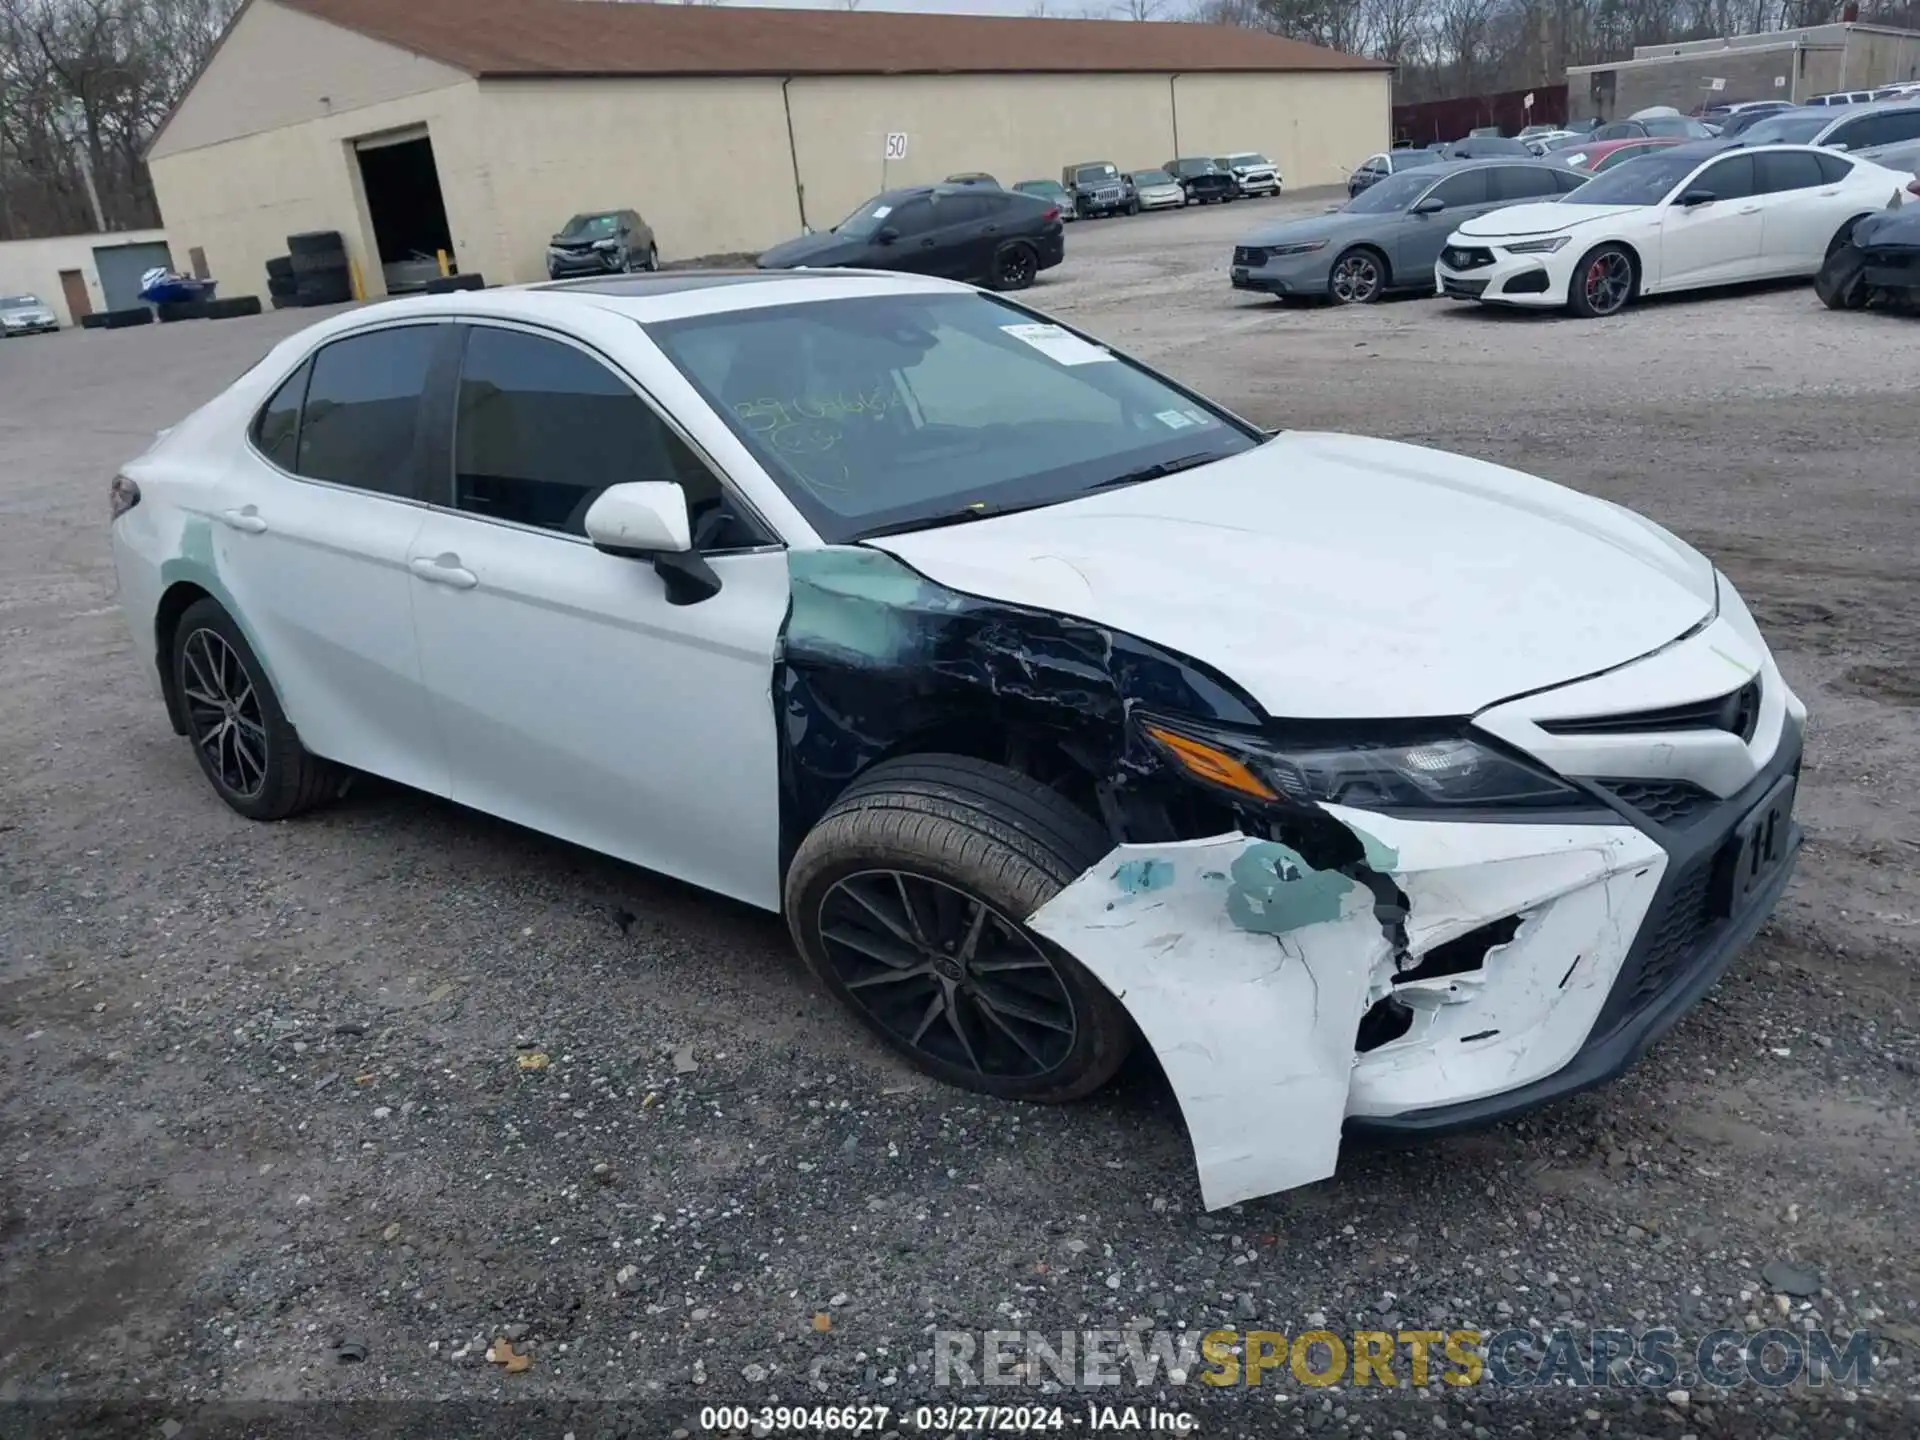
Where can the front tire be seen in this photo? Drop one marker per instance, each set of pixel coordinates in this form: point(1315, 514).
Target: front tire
point(907, 901)
point(1358, 277)
point(1604, 283)
point(246, 746)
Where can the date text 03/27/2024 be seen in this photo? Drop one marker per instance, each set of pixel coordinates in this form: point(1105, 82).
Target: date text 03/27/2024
point(872, 1419)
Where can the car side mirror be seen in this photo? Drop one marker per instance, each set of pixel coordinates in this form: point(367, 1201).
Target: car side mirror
point(648, 520)
point(885, 235)
point(640, 518)
point(1695, 198)
point(1432, 205)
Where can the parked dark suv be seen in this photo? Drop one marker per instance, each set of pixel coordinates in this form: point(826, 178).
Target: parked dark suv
point(999, 238)
point(1098, 187)
point(1203, 180)
point(600, 241)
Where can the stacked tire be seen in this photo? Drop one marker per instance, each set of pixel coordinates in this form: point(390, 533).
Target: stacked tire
point(282, 287)
point(317, 263)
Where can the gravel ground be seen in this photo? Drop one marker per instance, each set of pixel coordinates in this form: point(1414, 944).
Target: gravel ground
point(269, 1091)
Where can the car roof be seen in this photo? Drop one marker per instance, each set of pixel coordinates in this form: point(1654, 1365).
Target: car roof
point(645, 298)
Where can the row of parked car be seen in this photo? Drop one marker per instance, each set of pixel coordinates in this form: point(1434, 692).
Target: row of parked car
point(1089, 189)
point(1537, 233)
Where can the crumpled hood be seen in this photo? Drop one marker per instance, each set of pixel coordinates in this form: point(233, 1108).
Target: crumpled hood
point(1334, 576)
point(1543, 219)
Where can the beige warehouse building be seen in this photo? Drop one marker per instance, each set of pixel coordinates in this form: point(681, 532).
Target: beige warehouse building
point(481, 125)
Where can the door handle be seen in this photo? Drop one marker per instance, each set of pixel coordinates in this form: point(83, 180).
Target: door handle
point(443, 570)
point(246, 520)
point(1828, 194)
point(1750, 210)
point(927, 244)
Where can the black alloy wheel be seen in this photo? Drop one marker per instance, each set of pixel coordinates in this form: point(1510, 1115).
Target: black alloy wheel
point(946, 974)
point(1357, 278)
point(223, 714)
point(1014, 268)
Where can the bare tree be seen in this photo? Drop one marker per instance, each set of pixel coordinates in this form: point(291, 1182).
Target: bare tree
point(92, 79)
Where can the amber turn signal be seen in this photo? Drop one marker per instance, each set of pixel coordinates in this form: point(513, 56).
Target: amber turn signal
point(1216, 767)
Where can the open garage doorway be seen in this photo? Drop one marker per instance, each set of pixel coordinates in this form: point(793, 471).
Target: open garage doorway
point(409, 218)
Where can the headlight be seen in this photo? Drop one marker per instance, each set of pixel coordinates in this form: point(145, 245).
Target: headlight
point(1303, 248)
point(608, 244)
point(1441, 771)
point(1536, 247)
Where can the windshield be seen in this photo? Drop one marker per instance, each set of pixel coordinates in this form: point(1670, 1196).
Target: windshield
point(1244, 159)
point(1561, 142)
point(1086, 174)
point(1676, 125)
point(18, 302)
point(1414, 159)
point(1396, 192)
point(1644, 180)
point(862, 223)
point(885, 411)
point(583, 227)
point(1152, 177)
point(1788, 129)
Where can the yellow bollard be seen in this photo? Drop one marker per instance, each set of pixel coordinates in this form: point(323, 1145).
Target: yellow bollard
point(441, 256)
point(353, 275)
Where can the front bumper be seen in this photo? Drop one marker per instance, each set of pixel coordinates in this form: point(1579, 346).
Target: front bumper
point(1505, 279)
point(38, 327)
point(1532, 959)
point(1302, 274)
point(1256, 184)
point(572, 266)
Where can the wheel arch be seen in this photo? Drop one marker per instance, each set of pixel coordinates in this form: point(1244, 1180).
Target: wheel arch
point(1635, 256)
point(184, 582)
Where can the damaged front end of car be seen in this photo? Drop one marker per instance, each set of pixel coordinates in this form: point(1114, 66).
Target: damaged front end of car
point(1393, 926)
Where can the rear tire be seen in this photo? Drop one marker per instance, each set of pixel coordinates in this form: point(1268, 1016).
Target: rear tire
point(978, 848)
point(1014, 267)
point(246, 746)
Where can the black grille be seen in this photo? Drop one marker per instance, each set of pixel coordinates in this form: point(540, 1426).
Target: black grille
point(1249, 255)
point(1665, 802)
point(1736, 713)
point(1674, 934)
point(1467, 257)
point(1463, 289)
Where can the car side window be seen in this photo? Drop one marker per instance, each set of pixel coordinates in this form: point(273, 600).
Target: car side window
point(276, 429)
point(540, 429)
point(1565, 180)
point(1376, 165)
point(362, 409)
point(1778, 170)
point(1522, 182)
point(1885, 128)
point(1728, 179)
point(961, 209)
point(1469, 187)
point(912, 217)
point(1833, 169)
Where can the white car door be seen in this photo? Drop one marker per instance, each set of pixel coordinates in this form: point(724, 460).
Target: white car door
point(314, 551)
point(1718, 241)
point(573, 695)
point(1800, 212)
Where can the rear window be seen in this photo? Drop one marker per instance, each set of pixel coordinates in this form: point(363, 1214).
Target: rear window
point(1786, 129)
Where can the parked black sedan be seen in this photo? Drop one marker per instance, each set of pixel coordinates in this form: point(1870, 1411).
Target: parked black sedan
point(1202, 179)
point(999, 238)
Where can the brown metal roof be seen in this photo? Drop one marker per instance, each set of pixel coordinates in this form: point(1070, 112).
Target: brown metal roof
point(601, 37)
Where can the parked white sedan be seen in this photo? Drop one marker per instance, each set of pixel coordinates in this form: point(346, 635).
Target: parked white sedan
point(1708, 213)
point(1055, 706)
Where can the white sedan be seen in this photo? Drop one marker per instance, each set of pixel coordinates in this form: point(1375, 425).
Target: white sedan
point(1708, 213)
point(1056, 707)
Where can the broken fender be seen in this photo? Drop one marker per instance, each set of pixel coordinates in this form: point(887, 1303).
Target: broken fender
point(1249, 970)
